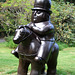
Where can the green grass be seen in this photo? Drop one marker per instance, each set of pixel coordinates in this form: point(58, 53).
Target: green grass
point(9, 63)
point(66, 62)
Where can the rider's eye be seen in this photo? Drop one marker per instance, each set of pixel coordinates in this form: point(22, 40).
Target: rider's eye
point(39, 12)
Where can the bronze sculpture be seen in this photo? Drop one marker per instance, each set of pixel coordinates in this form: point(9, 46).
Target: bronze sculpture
point(37, 42)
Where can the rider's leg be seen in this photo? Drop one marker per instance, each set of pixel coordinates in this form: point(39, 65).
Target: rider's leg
point(44, 51)
point(23, 67)
point(52, 63)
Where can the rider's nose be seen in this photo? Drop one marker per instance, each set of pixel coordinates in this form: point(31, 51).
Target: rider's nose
point(35, 13)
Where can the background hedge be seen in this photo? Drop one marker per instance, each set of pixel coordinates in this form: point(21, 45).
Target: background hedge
point(14, 13)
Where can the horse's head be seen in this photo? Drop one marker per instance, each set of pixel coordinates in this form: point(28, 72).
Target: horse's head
point(20, 35)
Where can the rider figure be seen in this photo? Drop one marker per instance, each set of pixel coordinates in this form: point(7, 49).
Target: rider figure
point(42, 27)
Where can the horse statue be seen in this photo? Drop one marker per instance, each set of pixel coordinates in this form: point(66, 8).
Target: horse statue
point(27, 49)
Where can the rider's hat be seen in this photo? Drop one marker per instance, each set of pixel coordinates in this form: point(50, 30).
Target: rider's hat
point(43, 5)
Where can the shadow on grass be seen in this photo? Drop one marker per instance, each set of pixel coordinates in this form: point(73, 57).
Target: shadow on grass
point(62, 72)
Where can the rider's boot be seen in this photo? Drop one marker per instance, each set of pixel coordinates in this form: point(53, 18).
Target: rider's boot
point(39, 59)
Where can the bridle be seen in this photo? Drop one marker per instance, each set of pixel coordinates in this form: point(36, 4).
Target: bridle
point(24, 36)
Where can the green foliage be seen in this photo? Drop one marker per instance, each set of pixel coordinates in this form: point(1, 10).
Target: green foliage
point(71, 1)
point(2, 0)
point(63, 18)
point(9, 42)
point(62, 45)
point(14, 13)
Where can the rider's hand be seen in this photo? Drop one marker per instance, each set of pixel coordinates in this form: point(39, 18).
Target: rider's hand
point(31, 26)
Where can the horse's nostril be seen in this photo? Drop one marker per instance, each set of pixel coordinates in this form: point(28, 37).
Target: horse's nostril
point(16, 41)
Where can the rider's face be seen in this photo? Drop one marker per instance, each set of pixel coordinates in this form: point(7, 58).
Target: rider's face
point(37, 16)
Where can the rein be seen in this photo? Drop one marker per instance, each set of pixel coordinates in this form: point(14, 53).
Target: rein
point(37, 37)
point(25, 37)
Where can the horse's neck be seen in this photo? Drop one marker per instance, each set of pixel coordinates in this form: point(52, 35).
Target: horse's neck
point(27, 41)
point(31, 36)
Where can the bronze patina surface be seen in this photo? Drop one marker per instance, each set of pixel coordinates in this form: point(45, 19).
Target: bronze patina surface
point(36, 41)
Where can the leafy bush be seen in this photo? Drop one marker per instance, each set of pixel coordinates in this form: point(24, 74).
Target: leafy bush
point(14, 13)
point(62, 45)
point(63, 18)
point(9, 42)
point(71, 1)
point(8, 38)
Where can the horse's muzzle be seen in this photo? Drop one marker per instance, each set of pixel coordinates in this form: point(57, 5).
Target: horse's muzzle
point(16, 41)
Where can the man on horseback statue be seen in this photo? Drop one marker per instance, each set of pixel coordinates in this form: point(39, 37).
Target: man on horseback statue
point(42, 27)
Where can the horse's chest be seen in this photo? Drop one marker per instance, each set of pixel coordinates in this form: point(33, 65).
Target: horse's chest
point(33, 48)
point(29, 49)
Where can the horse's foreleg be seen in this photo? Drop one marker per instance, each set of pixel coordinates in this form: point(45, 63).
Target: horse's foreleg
point(23, 67)
point(43, 70)
point(36, 68)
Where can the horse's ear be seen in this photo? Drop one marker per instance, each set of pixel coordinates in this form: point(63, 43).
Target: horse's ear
point(21, 26)
point(16, 30)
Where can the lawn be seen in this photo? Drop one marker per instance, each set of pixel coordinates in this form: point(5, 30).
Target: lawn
point(9, 63)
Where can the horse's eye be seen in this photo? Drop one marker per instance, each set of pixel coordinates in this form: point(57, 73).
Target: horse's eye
point(21, 31)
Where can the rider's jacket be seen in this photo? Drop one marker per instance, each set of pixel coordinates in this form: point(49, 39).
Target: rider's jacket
point(45, 30)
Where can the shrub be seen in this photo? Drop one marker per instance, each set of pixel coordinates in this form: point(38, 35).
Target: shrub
point(14, 13)
point(8, 38)
point(63, 18)
point(62, 45)
point(9, 42)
